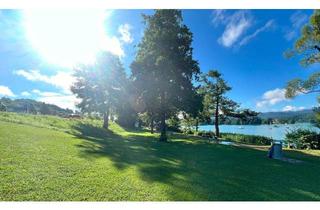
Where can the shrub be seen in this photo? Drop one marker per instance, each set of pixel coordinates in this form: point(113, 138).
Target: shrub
point(247, 139)
point(173, 124)
point(3, 107)
point(303, 139)
point(208, 134)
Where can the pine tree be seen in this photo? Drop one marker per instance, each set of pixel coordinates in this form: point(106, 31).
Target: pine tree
point(164, 66)
point(100, 86)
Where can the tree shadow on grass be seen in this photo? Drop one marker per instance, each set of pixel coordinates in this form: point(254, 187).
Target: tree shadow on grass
point(195, 170)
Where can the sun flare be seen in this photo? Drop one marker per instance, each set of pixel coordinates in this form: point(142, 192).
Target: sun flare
point(66, 37)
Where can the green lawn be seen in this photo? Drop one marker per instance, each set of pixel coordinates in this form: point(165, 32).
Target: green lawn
point(49, 158)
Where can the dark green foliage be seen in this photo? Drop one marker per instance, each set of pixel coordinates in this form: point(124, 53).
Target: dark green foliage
point(247, 139)
point(173, 124)
point(303, 139)
point(316, 111)
point(126, 109)
point(33, 107)
point(100, 86)
point(296, 86)
point(206, 134)
point(215, 101)
point(288, 117)
point(239, 138)
point(188, 124)
point(308, 46)
point(127, 116)
point(3, 107)
point(44, 109)
point(164, 68)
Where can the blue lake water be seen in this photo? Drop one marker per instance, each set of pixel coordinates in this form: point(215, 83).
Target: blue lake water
point(276, 132)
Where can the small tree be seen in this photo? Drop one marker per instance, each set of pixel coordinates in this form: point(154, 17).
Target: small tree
point(3, 107)
point(215, 88)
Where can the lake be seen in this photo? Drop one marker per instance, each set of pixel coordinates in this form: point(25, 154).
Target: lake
point(276, 132)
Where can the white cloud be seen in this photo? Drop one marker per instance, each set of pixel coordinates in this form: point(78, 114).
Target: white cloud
point(36, 91)
point(297, 20)
point(272, 97)
point(246, 39)
point(5, 91)
point(113, 45)
point(62, 100)
point(62, 80)
point(237, 24)
point(124, 31)
point(219, 16)
point(292, 108)
point(45, 93)
point(25, 93)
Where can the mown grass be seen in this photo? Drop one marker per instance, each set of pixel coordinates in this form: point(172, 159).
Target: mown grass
point(50, 158)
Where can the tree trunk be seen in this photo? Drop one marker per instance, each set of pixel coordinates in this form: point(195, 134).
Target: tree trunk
point(163, 135)
point(106, 119)
point(216, 120)
point(197, 124)
point(151, 124)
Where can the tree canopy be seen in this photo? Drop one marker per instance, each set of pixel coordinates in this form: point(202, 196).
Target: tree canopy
point(307, 46)
point(100, 86)
point(217, 104)
point(164, 67)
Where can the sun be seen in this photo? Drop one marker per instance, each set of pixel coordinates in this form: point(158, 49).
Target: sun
point(66, 37)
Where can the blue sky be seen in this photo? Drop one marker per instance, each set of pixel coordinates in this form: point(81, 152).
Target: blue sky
point(39, 48)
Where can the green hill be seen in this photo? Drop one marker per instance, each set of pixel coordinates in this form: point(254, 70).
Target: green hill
point(33, 106)
point(49, 158)
point(306, 115)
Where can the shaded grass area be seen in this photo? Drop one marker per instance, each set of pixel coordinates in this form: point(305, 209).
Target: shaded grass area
point(90, 163)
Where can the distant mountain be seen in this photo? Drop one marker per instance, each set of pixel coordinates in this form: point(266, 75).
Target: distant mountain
point(33, 106)
point(306, 115)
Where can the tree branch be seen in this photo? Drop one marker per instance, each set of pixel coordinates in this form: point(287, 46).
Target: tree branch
point(317, 47)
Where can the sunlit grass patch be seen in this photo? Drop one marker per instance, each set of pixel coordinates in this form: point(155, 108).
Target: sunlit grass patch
point(51, 158)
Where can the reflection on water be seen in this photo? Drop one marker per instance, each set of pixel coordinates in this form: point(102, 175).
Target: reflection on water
point(276, 132)
point(226, 142)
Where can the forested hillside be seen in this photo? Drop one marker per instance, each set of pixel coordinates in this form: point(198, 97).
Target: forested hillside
point(32, 107)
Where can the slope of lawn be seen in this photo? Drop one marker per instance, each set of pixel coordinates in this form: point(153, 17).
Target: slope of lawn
point(50, 158)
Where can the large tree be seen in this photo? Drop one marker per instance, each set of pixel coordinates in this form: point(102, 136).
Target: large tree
point(307, 46)
point(147, 100)
point(100, 86)
point(164, 63)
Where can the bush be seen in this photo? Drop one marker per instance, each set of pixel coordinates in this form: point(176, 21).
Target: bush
point(247, 139)
point(303, 139)
point(173, 124)
point(208, 134)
